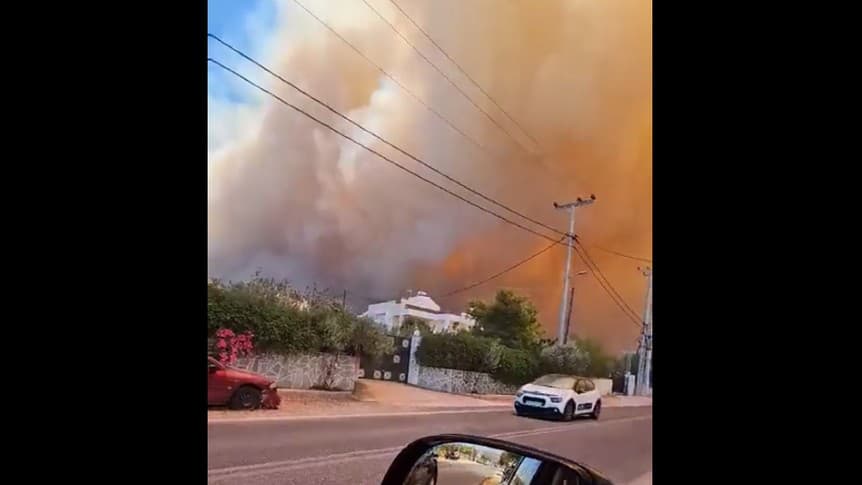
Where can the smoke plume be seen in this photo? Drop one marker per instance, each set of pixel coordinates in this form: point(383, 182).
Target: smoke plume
point(299, 202)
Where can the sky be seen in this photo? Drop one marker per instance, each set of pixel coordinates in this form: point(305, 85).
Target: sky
point(232, 104)
point(292, 199)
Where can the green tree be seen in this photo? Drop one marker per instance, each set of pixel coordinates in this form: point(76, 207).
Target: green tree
point(412, 323)
point(510, 318)
point(516, 366)
point(564, 359)
point(507, 459)
point(369, 338)
point(599, 363)
point(620, 364)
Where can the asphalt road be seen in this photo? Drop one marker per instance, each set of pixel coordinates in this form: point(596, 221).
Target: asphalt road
point(358, 450)
point(463, 472)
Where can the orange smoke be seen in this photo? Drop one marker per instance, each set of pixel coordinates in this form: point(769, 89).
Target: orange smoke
point(299, 202)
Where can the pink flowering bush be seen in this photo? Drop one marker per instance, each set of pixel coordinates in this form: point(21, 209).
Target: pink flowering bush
point(230, 346)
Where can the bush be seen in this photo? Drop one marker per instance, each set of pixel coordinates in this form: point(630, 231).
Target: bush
point(284, 321)
point(462, 351)
point(516, 366)
point(369, 338)
point(410, 324)
point(599, 363)
point(230, 346)
point(567, 359)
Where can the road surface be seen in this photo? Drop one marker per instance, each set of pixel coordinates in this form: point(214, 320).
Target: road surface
point(463, 472)
point(358, 450)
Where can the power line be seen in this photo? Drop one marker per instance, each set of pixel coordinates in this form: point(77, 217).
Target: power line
point(606, 285)
point(384, 157)
point(598, 273)
point(501, 273)
point(498, 125)
point(525, 132)
point(397, 82)
point(375, 135)
point(636, 258)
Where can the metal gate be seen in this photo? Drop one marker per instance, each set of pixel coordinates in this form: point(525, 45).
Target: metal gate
point(388, 367)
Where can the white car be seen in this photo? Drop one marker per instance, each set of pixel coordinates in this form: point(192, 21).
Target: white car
point(559, 395)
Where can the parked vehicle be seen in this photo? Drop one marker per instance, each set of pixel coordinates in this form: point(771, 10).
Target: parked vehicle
point(561, 396)
point(239, 389)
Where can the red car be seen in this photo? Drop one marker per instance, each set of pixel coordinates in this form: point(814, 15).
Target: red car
point(239, 389)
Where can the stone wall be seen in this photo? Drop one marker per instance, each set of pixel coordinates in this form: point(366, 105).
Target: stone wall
point(466, 382)
point(305, 371)
point(461, 381)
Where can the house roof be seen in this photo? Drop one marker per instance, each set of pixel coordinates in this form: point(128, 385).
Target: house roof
point(421, 301)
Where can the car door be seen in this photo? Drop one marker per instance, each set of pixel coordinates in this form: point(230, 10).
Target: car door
point(580, 388)
point(217, 383)
point(592, 395)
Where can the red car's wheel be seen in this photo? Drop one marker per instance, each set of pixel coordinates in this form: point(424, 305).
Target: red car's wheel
point(246, 397)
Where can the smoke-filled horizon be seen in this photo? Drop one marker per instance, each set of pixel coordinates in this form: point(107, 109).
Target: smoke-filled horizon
point(291, 198)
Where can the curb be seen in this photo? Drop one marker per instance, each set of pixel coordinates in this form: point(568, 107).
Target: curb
point(315, 395)
point(423, 412)
point(484, 409)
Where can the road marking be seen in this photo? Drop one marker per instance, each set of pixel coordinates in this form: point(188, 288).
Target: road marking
point(247, 471)
point(278, 466)
point(495, 409)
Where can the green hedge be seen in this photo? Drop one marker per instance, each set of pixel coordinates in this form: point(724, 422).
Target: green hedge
point(468, 352)
point(458, 351)
point(517, 366)
point(279, 326)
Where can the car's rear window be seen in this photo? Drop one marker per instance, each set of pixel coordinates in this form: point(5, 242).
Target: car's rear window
point(560, 382)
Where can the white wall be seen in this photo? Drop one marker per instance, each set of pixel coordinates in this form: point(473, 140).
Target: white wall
point(391, 314)
point(604, 386)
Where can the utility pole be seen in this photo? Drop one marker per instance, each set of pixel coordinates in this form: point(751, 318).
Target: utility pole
point(571, 309)
point(564, 305)
point(645, 347)
point(569, 316)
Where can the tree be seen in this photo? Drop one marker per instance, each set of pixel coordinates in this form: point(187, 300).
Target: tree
point(510, 318)
point(369, 338)
point(507, 459)
point(630, 358)
point(412, 323)
point(599, 363)
point(564, 359)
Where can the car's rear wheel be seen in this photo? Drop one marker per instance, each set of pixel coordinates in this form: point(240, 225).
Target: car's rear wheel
point(569, 412)
point(597, 410)
point(246, 397)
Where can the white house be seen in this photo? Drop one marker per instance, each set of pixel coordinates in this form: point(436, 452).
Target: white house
point(392, 313)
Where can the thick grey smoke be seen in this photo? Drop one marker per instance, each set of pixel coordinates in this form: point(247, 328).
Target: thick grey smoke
point(295, 200)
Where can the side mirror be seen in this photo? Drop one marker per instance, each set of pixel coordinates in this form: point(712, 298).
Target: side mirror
point(455, 459)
